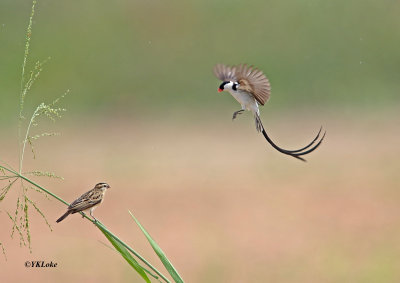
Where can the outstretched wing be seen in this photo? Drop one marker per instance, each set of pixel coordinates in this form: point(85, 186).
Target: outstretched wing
point(254, 81)
point(225, 73)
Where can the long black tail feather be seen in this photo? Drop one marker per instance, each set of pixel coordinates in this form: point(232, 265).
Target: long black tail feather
point(294, 153)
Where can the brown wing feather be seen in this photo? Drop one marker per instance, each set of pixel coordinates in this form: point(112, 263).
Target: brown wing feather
point(225, 73)
point(84, 206)
point(87, 200)
point(254, 81)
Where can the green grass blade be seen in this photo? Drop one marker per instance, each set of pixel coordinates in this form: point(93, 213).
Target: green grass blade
point(114, 250)
point(168, 265)
point(125, 254)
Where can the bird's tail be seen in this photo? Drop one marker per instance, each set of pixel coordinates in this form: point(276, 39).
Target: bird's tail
point(63, 216)
point(294, 153)
point(259, 125)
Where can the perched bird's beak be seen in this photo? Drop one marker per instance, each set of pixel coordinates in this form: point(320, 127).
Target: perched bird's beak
point(220, 90)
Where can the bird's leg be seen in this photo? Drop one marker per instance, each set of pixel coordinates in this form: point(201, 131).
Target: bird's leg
point(91, 210)
point(237, 113)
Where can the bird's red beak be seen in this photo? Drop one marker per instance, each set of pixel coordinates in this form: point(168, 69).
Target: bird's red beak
point(220, 90)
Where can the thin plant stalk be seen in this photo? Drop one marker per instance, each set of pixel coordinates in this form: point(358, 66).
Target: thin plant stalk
point(25, 140)
point(33, 183)
point(15, 174)
point(97, 223)
point(24, 89)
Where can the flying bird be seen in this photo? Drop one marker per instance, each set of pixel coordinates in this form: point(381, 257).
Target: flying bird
point(88, 201)
point(251, 88)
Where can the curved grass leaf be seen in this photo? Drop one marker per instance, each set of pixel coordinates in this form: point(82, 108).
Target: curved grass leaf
point(168, 265)
point(125, 254)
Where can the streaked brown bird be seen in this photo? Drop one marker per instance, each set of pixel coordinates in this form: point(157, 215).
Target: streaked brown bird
point(250, 87)
point(88, 201)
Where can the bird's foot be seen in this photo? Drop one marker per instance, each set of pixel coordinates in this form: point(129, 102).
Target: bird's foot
point(237, 113)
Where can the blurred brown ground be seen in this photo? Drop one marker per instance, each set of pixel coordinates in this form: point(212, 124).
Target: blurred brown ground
point(223, 205)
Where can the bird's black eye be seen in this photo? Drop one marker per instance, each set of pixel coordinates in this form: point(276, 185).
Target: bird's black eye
point(222, 85)
point(234, 87)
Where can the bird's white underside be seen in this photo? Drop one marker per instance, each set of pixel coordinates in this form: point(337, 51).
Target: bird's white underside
point(246, 100)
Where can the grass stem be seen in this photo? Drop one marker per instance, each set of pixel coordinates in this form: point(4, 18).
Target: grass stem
point(97, 223)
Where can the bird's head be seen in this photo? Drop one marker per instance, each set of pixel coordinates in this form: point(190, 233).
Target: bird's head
point(103, 186)
point(228, 85)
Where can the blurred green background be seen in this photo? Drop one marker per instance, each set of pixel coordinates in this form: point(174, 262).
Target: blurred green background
point(157, 57)
point(145, 116)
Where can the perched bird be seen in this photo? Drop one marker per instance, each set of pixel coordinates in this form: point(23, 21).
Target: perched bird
point(88, 201)
point(251, 88)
